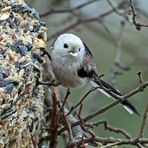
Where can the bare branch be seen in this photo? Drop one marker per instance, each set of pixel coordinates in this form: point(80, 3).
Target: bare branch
point(65, 99)
point(116, 9)
point(109, 127)
point(68, 128)
point(118, 67)
point(79, 22)
point(70, 10)
point(143, 123)
point(103, 109)
point(80, 102)
point(140, 77)
point(120, 99)
point(138, 26)
point(54, 122)
point(132, 141)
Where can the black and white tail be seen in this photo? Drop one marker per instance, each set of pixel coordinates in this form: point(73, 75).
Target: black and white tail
point(109, 91)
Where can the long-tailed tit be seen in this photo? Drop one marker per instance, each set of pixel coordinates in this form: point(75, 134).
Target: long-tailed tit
point(74, 66)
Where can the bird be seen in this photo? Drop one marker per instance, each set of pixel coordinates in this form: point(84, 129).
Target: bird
point(74, 66)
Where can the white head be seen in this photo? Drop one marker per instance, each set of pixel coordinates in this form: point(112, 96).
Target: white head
point(70, 46)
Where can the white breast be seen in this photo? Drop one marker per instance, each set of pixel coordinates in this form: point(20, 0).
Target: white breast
point(66, 71)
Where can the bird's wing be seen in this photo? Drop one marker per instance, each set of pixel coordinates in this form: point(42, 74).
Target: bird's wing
point(88, 69)
point(89, 56)
point(88, 66)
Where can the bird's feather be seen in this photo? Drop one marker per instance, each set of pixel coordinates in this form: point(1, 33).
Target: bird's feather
point(109, 91)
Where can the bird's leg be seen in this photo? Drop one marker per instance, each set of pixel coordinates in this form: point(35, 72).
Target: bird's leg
point(45, 53)
point(38, 82)
point(51, 83)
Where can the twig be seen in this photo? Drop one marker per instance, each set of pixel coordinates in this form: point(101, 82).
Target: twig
point(65, 99)
point(138, 26)
point(82, 123)
point(115, 9)
point(80, 21)
point(140, 145)
point(118, 45)
point(116, 143)
point(110, 145)
point(132, 141)
point(79, 103)
point(103, 109)
point(70, 10)
point(119, 99)
point(134, 15)
point(80, 109)
point(68, 128)
point(140, 77)
point(54, 122)
point(143, 123)
point(66, 122)
point(110, 128)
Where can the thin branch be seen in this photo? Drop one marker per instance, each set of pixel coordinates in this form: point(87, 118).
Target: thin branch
point(116, 9)
point(65, 99)
point(54, 122)
point(110, 145)
point(143, 123)
point(138, 26)
point(119, 99)
point(103, 109)
point(117, 67)
point(68, 128)
point(140, 145)
point(119, 43)
point(66, 122)
point(80, 102)
point(140, 77)
point(132, 141)
point(69, 10)
point(79, 22)
point(82, 125)
point(110, 128)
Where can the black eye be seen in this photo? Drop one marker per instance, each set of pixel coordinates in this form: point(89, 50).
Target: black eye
point(79, 49)
point(65, 45)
